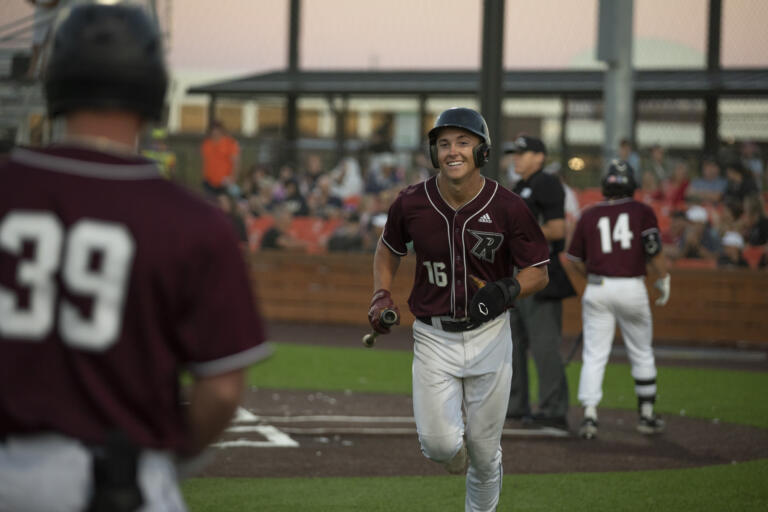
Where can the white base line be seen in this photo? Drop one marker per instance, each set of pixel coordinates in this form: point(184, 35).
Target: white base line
point(377, 431)
point(337, 419)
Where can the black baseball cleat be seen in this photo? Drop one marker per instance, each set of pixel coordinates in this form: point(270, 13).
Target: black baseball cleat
point(588, 428)
point(650, 425)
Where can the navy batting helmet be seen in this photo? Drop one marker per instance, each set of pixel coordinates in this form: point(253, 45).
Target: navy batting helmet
point(106, 57)
point(466, 119)
point(619, 181)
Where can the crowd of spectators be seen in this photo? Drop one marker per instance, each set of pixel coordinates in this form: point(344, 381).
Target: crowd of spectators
point(711, 215)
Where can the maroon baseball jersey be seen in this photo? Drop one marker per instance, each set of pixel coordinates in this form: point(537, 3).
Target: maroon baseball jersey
point(609, 237)
point(487, 238)
point(112, 280)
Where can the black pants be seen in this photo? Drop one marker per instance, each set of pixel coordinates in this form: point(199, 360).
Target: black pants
point(537, 328)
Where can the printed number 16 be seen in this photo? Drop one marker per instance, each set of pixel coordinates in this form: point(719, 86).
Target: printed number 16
point(436, 273)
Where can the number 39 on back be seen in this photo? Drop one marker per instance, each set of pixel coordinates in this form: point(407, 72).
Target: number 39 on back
point(106, 285)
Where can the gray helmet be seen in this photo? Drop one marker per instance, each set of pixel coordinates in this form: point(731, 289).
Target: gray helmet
point(619, 181)
point(466, 119)
point(106, 57)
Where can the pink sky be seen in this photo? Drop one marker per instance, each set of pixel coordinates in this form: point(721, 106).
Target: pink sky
point(251, 35)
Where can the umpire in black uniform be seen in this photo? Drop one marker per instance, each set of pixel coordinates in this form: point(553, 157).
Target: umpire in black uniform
point(537, 320)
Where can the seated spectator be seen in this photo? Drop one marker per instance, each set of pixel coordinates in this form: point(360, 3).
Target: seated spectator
point(650, 190)
point(346, 179)
point(321, 201)
point(230, 208)
point(420, 170)
point(700, 240)
point(312, 172)
point(348, 236)
point(279, 235)
point(629, 155)
point(284, 175)
point(708, 188)
point(257, 176)
point(657, 162)
point(383, 174)
point(676, 186)
point(740, 184)
point(672, 238)
point(292, 199)
point(755, 221)
point(752, 160)
point(731, 253)
point(731, 217)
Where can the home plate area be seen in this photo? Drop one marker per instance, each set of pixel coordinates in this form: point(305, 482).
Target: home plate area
point(291, 433)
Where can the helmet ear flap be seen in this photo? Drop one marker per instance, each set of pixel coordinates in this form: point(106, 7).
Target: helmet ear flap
point(481, 152)
point(433, 155)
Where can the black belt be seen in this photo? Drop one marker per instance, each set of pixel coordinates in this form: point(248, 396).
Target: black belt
point(451, 325)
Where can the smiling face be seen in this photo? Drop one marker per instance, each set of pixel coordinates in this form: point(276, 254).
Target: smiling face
point(455, 153)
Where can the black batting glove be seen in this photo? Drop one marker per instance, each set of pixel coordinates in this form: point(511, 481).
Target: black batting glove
point(493, 299)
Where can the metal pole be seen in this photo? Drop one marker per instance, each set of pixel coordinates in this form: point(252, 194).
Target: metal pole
point(615, 49)
point(491, 79)
point(564, 135)
point(422, 116)
point(211, 110)
point(291, 111)
point(711, 113)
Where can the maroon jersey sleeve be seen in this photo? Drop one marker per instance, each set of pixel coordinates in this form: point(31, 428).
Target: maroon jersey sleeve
point(395, 235)
point(218, 331)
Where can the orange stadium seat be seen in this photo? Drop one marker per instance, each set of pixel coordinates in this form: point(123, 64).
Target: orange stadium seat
point(753, 254)
point(589, 196)
point(352, 202)
point(257, 226)
point(313, 230)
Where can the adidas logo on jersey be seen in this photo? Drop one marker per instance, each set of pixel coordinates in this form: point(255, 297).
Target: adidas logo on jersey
point(485, 218)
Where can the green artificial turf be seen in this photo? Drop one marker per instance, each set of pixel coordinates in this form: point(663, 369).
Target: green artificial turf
point(722, 395)
point(738, 487)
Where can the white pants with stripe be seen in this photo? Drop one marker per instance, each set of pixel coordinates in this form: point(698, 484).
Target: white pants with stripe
point(467, 372)
point(623, 300)
point(52, 473)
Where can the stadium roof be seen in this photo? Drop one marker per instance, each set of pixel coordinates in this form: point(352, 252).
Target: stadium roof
point(648, 83)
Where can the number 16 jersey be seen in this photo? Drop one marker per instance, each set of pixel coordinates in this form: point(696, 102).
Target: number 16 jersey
point(487, 237)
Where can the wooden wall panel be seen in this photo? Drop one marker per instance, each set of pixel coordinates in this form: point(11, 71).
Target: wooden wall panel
point(706, 306)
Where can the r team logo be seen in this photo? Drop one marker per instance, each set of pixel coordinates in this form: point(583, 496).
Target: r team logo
point(487, 244)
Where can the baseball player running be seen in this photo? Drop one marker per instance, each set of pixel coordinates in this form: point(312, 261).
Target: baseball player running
point(468, 234)
point(112, 281)
point(614, 242)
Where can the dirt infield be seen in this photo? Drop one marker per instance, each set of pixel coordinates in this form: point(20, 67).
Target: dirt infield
point(322, 434)
point(362, 434)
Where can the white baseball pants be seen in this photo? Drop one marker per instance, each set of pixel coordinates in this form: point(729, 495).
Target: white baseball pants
point(470, 370)
point(52, 473)
point(622, 299)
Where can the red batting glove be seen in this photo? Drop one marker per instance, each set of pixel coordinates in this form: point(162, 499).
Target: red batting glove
point(381, 300)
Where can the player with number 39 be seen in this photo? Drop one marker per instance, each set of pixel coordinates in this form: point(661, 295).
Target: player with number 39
point(113, 281)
